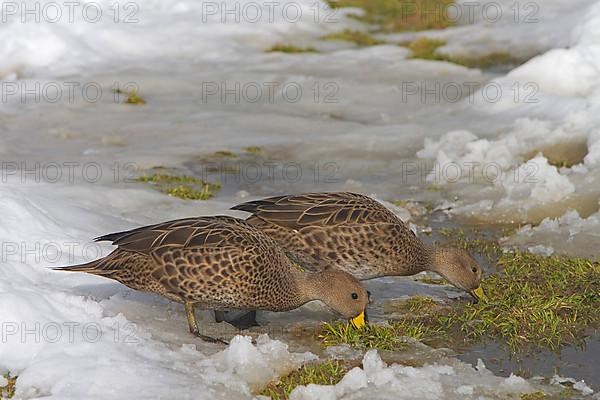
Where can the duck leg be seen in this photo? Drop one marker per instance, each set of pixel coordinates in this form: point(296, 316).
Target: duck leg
point(219, 316)
point(245, 321)
point(193, 325)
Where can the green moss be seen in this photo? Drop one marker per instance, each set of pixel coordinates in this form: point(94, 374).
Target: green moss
point(329, 372)
point(131, 97)
point(253, 149)
point(426, 48)
point(8, 391)
point(400, 15)
point(290, 49)
point(224, 153)
point(181, 186)
point(357, 37)
point(535, 302)
point(533, 396)
point(189, 193)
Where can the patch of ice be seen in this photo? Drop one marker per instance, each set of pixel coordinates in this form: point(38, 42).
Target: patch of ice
point(583, 388)
point(568, 234)
point(535, 182)
point(577, 385)
point(541, 249)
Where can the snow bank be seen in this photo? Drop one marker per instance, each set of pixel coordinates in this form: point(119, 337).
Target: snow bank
point(547, 161)
point(376, 379)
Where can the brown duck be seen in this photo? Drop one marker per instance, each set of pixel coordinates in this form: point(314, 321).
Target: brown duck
point(358, 235)
point(219, 263)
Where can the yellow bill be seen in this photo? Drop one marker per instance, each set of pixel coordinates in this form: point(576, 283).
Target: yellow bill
point(358, 322)
point(479, 294)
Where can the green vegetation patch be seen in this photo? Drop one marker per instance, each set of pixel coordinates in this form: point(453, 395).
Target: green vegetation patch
point(372, 336)
point(253, 149)
point(426, 48)
point(533, 396)
point(401, 15)
point(224, 154)
point(329, 372)
point(8, 391)
point(290, 49)
point(131, 97)
point(359, 38)
point(535, 302)
point(181, 186)
point(415, 324)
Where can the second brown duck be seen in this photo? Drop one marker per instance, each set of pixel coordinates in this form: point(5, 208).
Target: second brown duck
point(358, 235)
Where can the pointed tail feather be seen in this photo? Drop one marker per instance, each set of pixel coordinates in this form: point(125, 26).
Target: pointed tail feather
point(92, 267)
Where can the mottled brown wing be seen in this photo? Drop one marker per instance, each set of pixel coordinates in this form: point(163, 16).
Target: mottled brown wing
point(214, 231)
point(219, 262)
point(319, 209)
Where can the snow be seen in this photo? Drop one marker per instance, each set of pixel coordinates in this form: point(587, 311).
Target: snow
point(568, 233)
point(577, 385)
point(378, 380)
point(87, 337)
point(563, 113)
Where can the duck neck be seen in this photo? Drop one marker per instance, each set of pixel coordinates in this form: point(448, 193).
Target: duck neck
point(311, 286)
point(433, 259)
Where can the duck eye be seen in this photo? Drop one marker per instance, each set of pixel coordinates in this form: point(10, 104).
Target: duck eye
point(474, 270)
point(354, 296)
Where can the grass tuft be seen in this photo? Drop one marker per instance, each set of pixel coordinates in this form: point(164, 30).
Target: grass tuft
point(329, 372)
point(401, 15)
point(253, 149)
point(426, 49)
point(8, 391)
point(535, 302)
point(290, 49)
point(533, 396)
point(181, 186)
point(131, 97)
point(357, 37)
point(224, 153)
point(538, 301)
point(371, 336)
point(421, 304)
point(417, 311)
